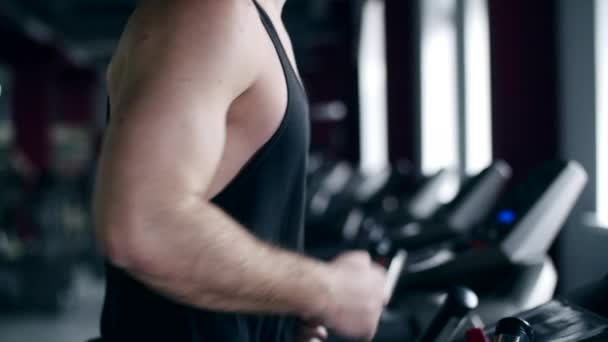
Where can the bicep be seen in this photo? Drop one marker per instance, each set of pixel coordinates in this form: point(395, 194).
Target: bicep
point(164, 142)
point(168, 127)
point(160, 150)
point(167, 131)
point(167, 139)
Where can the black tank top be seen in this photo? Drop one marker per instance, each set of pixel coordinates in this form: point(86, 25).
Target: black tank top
point(266, 197)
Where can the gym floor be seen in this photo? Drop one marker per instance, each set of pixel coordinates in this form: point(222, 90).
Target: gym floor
point(78, 322)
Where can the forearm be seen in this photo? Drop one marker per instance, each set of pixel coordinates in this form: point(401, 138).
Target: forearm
point(199, 256)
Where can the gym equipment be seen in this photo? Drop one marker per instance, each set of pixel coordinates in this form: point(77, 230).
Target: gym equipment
point(394, 271)
point(384, 196)
point(61, 215)
point(476, 199)
point(473, 203)
point(513, 329)
point(447, 320)
point(579, 316)
point(335, 192)
point(326, 182)
point(401, 181)
point(12, 197)
point(460, 301)
point(317, 169)
point(58, 230)
point(519, 232)
point(421, 202)
point(502, 260)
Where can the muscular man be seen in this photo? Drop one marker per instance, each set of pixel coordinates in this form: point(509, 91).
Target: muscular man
point(199, 197)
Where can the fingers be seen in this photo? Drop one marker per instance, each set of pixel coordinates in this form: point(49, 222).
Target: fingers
point(308, 332)
point(380, 278)
point(319, 332)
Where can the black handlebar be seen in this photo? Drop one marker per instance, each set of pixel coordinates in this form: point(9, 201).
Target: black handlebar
point(460, 301)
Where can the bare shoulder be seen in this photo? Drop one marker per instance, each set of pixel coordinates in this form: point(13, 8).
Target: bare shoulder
point(193, 26)
point(196, 16)
point(189, 37)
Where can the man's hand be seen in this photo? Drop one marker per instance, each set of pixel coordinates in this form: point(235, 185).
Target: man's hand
point(309, 331)
point(357, 296)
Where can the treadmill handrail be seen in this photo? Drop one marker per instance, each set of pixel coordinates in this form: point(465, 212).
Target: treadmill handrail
point(541, 225)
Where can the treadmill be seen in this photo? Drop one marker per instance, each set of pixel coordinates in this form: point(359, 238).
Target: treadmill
point(504, 260)
point(577, 317)
point(474, 202)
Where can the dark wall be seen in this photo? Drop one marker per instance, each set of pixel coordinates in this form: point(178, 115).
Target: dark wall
point(525, 82)
point(33, 66)
point(47, 88)
point(403, 75)
point(325, 36)
point(526, 118)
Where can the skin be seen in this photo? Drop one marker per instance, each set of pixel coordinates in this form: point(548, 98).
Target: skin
point(181, 130)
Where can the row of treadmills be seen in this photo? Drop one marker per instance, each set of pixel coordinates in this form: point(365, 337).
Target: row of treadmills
point(473, 268)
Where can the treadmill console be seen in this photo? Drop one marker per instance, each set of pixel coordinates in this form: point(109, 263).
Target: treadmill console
point(527, 221)
point(518, 202)
point(564, 322)
point(581, 316)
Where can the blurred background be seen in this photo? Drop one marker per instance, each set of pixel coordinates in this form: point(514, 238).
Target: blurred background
point(417, 86)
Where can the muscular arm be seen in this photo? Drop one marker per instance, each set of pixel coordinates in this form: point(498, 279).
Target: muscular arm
point(186, 62)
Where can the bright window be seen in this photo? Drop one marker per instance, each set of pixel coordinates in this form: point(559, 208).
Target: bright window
point(439, 101)
point(478, 115)
point(372, 83)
